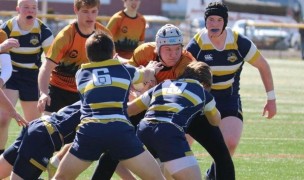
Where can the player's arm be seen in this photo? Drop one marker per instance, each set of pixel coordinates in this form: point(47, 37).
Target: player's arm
point(262, 65)
point(6, 68)
point(6, 45)
point(214, 117)
point(212, 113)
point(136, 106)
point(43, 83)
point(7, 106)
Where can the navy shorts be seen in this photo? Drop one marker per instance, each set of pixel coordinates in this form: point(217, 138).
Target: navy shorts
point(60, 98)
point(164, 140)
point(118, 138)
point(11, 153)
point(26, 82)
point(37, 146)
point(229, 106)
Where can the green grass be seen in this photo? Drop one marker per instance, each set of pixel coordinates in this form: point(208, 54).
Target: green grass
point(269, 149)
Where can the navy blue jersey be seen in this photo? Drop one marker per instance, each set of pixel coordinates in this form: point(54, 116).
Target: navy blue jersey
point(32, 43)
point(66, 121)
point(226, 64)
point(176, 101)
point(104, 88)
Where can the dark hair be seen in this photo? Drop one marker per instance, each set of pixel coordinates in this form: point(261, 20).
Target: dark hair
point(86, 3)
point(199, 71)
point(218, 9)
point(99, 47)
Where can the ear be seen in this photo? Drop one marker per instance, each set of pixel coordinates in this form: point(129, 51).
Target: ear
point(18, 9)
point(75, 10)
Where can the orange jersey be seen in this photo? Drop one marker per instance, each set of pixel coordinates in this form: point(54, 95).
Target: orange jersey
point(146, 52)
point(3, 36)
point(127, 32)
point(68, 51)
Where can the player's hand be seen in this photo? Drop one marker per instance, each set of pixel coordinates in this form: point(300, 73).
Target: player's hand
point(19, 119)
point(8, 44)
point(156, 66)
point(44, 100)
point(270, 109)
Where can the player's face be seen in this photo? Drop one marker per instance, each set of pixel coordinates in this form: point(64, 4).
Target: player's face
point(86, 17)
point(214, 25)
point(27, 10)
point(132, 5)
point(171, 54)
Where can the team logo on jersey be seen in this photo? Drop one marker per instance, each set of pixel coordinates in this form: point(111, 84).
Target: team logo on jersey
point(124, 29)
point(73, 54)
point(232, 57)
point(34, 40)
point(208, 57)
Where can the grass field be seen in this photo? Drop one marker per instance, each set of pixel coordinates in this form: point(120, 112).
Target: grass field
point(269, 149)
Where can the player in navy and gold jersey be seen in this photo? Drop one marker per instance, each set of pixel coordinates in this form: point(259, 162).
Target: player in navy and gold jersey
point(44, 135)
point(225, 51)
point(34, 38)
point(168, 49)
point(104, 88)
point(128, 28)
point(171, 106)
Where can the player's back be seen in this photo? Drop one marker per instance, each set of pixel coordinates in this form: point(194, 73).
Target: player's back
point(104, 89)
point(177, 101)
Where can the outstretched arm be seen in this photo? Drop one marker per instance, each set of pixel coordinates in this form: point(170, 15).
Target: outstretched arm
point(265, 72)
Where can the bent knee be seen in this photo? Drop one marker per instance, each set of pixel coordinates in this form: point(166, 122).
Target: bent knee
point(231, 144)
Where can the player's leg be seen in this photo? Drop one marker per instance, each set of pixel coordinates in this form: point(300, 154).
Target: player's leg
point(8, 158)
point(231, 128)
point(5, 167)
point(144, 166)
point(183, 168)
point(35, 151)
point(210, 137)
point(55, 160)
point(70, 167)
point(123, 172)
point(30, 110)
point(105, 167)
point(24, 169)
point(59, 99)
point(120, 170)
point(13, 96)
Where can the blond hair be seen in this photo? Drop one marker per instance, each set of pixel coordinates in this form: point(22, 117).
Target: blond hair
point(19, 1)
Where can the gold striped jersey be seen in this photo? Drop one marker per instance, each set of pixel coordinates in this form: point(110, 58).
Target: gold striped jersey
point(104, 88)
point(32, 43)
point(176, 101)
point(226, 64)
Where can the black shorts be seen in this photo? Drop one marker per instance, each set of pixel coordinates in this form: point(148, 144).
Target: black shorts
point(60, 98)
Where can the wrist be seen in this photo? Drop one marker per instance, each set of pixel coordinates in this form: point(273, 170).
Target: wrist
point(271, 95)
